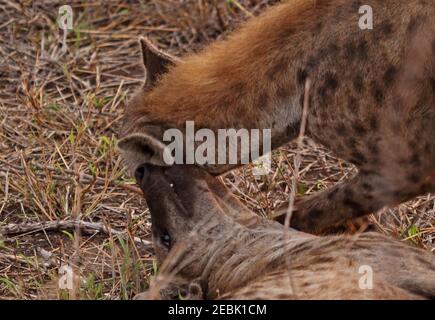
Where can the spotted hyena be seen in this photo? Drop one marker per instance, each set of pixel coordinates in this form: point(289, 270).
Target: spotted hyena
point(210, 246)
point(372, 96)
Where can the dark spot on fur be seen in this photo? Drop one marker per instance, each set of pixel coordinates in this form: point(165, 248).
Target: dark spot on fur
point(358, 158)
point(367, 186)
point(302, 75)
point(311, 224)
point(353, 104)
point(355, 206)
point(350, 51)
point(373, 148)
point(389, 76)
point(278, 68)
point(340, 129)
point(413, 144)
point(412, 26)
point(332, 136)
point(351, 142)
point(415, 160)
point(338, 13)
point(402, 161)
point(322, 53)
point(356, 4)
point(413, 178)
point(377, 93)
point(262, 100)
point(318, 27)
point(292, 130)
point(362, 50)
point(427, 148)
point(315, 213)
point(301, 100)
point(350, 202)
point(358, 84)
point(432, 82)
point(369, 196)
point(374, 123)
point(312, 63)
point(399, 194)
point(331, 82)
point(321, 92)
point(387, 28)
point(333, 49)
point(237, 90)
point(367, 172)
point(331, 195)
point(339, 149)
point(282, 91)
point(359, 129)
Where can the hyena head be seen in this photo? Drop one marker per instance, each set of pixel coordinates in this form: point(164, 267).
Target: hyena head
point(139, 131)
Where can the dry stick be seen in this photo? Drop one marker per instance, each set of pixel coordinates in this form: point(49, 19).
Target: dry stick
point(297, 157)
point(18, 229)
point(5, 199)
point(75, 214)
point(242, 8)
point(297, 162)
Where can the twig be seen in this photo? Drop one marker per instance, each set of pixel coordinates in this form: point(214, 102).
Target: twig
point(85, 226)
point(297, 157)
point(297, 162)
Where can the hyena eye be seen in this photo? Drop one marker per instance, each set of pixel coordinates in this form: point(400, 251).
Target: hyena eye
point(165, 239)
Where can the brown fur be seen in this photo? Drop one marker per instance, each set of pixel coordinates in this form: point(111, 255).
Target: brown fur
point(372, 100)
point(216, 243)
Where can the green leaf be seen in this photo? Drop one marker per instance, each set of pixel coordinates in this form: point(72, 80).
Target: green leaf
point(70, 235)
point(302, 189)
point(72, 138)
point(413, 231)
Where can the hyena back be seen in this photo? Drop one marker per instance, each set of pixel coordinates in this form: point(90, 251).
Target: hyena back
point(372, 96)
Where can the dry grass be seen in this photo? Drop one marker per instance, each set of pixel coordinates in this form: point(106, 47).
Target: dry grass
point(59, 114)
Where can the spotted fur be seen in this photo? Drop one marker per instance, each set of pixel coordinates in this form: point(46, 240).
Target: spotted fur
point(372, 100)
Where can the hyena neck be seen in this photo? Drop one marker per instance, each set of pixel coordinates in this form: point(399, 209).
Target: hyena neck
point(224, 266)
point(243, 81)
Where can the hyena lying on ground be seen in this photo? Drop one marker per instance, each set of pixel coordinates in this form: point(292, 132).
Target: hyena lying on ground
point(209, 240)
point(372, 98)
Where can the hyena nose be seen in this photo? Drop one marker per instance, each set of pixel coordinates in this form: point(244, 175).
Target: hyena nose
point(141, 173)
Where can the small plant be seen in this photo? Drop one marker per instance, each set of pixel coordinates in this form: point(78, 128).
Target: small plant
point(105, 145)
point(72, 138)
point(413, 233)
point(9, 286)
point(92, 289)
point(302, 189)
point(101, 102)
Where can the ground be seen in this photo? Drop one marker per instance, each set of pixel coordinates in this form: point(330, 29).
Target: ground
point(59, 116)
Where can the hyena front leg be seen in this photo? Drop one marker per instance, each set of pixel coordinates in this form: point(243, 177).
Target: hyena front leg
point(365, 193)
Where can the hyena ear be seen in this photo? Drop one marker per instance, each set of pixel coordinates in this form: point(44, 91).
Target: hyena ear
point(155, 61)
point(139, 148)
